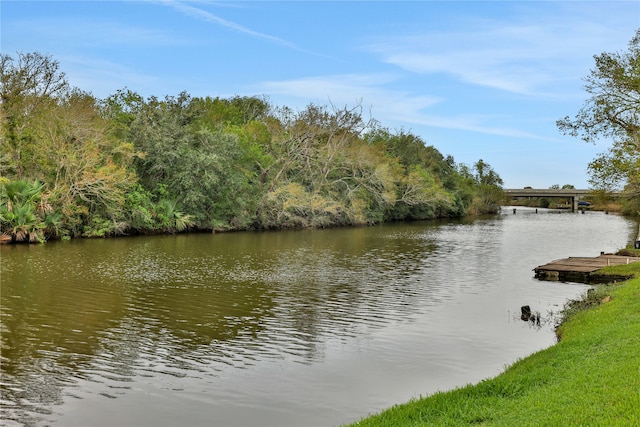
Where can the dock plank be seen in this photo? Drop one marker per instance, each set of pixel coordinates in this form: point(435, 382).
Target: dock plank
point(580, 266)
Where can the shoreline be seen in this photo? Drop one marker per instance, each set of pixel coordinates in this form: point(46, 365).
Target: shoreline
point(583, 379)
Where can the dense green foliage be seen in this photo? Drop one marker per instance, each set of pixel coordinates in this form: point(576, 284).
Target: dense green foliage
point(590, 378)
point(73, 165)
point(613, 112)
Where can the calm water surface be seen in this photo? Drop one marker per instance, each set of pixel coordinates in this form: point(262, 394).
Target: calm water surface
point(314, 328)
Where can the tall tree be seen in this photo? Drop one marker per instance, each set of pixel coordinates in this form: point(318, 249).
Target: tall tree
point(88, 171)
point(26, 84)
point(489, 192)
point(612, 112)
point(195, 166)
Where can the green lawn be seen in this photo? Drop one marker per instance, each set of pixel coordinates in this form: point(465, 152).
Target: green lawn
point(590, 378)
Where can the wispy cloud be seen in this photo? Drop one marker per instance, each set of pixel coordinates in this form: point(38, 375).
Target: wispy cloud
point(104, 76)
point(214, 19)
point(95, 32)
point(526, 57)
point(471, 123)
point(391, 106)
point(342, 88)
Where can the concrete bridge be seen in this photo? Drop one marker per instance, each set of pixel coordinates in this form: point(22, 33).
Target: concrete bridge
point(574, 195)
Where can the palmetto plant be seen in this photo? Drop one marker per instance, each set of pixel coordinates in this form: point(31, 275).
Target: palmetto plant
point(25, 215)
point(171, 220)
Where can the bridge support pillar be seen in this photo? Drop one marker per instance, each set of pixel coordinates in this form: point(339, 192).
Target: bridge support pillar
point(574, 203)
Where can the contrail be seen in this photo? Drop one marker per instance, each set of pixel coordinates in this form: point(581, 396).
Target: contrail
point(210, 17)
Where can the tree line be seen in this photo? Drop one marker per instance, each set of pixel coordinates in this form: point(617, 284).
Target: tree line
point(73, 165)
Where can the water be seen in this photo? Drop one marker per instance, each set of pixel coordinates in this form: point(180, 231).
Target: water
point(314, 328)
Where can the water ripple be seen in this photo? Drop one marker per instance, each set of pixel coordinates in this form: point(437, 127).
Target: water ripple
point(106, 319)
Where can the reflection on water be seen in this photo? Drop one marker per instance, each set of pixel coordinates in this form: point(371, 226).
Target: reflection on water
point(284, 328)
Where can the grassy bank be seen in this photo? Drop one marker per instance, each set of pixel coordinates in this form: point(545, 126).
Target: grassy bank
point(590, 378)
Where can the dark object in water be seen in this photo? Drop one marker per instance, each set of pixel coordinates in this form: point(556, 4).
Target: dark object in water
point(528, 316)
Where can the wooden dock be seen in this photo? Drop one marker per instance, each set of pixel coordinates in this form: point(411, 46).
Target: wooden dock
point(582, 269)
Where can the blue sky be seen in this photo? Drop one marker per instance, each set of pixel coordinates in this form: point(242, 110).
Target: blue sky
point(475, 79)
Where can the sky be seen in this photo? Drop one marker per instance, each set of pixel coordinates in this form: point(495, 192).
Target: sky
point(475, 79)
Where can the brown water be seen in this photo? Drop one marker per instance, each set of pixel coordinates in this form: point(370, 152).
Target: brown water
point(313, 328)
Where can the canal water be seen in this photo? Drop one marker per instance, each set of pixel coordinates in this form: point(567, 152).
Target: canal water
point(288, 328)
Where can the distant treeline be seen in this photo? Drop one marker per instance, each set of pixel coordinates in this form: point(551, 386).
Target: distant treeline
point(74, 165)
